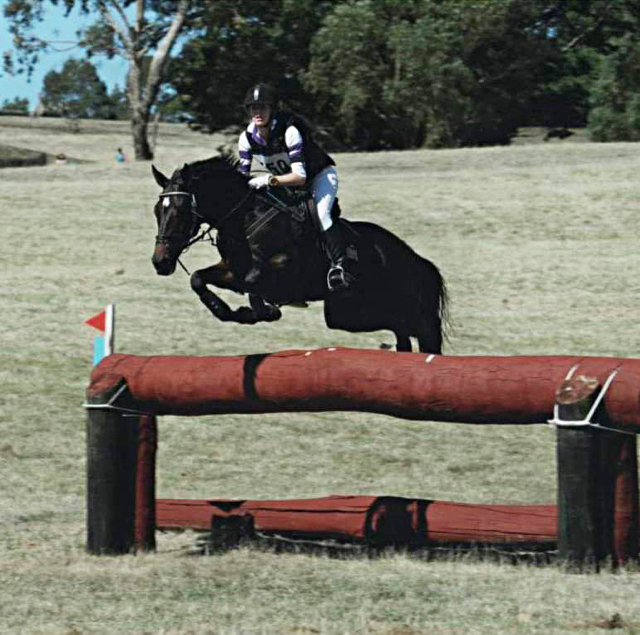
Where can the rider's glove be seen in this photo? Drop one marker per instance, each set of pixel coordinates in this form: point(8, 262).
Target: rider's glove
point(258, 182)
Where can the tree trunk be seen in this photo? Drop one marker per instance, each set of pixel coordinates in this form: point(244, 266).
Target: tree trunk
point(139, 129)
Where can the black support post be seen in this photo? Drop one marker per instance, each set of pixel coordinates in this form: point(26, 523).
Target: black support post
point(111, 474)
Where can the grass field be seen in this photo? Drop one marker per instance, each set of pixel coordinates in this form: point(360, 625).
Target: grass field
point(540, 246)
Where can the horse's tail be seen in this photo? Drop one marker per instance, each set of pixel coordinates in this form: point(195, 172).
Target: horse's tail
point(434, 306)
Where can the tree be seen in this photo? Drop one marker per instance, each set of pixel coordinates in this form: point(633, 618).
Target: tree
point(76, 92)
point(118, 104)
point(16, 105)
point(393, 73)
point(145, 41)
point(244, 42)
point(581, 33)
point(615, 97)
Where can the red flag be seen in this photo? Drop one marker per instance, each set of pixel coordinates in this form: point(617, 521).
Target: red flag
point(98, 321)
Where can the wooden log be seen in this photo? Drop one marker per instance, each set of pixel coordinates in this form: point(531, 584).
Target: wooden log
point(121, 459)
point(618, 488)
point(145, 492)
point(411, 385)
point(111, 466)
point(597, 482)
point(373, 520)
point(580, 528)
point(626, 547)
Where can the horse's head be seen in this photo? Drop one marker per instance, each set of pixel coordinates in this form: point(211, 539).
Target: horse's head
point(177, 217)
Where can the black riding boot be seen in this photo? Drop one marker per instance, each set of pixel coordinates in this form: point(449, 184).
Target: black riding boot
point(336, 248)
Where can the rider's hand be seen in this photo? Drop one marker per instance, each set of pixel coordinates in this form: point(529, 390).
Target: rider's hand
point(258, 182)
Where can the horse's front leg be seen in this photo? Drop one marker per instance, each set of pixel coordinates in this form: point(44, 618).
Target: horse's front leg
point(220, 276)
point(264, 311)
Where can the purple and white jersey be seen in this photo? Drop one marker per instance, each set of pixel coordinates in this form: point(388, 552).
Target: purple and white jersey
point(280, 154)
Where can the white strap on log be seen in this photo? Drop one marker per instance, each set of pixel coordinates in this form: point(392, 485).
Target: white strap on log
point(110, 405)
point(563, 423)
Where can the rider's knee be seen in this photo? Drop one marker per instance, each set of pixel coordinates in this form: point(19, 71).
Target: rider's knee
point(324, 214)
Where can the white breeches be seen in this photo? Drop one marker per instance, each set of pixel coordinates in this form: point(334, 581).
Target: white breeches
point(324, 188)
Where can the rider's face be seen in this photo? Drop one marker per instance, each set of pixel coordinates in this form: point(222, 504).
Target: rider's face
point(260, 114)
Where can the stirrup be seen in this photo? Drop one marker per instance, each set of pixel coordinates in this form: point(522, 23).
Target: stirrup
point(338, 278)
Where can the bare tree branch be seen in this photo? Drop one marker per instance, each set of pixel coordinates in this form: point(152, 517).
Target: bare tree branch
point(162, 51)
point(123, 28)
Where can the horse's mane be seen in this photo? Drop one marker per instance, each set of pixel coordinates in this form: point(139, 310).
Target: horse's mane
point(224, 162)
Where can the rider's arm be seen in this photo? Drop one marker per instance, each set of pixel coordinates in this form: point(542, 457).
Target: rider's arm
point(295, 147)
point(245, 154)
point(289, 180)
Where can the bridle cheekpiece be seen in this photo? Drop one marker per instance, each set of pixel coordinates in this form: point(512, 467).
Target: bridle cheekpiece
point(193, 210)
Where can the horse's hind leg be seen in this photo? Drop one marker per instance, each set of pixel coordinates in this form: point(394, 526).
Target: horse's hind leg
point(430, 340)
point(403, 343)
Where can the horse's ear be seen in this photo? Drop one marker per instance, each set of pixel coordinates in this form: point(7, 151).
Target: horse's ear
point(160, 178)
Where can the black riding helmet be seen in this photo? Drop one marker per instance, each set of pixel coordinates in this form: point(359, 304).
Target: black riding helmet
point(261, 94)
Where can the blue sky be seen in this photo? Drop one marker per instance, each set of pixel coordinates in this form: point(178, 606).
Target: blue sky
point(58, 29)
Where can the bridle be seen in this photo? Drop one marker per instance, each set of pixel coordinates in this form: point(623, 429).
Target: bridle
point(187, 238)
point(164, 238)
point(197, 219)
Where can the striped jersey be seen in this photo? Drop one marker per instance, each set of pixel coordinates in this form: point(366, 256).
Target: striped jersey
point(289, 148)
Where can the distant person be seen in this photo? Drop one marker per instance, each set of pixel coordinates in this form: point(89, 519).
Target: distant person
point(121, 157)
point(281, 142)
point(61, 158)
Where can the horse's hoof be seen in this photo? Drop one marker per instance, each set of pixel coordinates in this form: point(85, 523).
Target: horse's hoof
point(245, 315)
point(273, 314)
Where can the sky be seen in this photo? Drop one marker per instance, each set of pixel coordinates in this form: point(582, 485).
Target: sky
point(56, 28)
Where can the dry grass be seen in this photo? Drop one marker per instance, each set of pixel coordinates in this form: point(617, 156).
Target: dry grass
point(540, 247)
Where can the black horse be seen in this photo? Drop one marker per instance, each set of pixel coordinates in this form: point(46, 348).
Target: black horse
point(392, 288)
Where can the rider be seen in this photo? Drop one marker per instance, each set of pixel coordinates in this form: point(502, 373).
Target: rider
point(281, 142)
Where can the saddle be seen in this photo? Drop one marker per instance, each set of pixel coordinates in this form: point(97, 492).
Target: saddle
point(301, 210)
point(299, 206)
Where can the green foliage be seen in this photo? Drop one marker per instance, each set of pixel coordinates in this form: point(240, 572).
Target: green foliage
point(243, 42)
point(373, 74)
point(76, 92)
point(615, 98)
point(150, 36)
point(16, 105)
point(580, 33)
point(119, 107)
point(435, 72)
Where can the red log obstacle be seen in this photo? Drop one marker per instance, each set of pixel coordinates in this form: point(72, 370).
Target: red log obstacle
point(372, 520)
point(514, 390)
point(410, 386)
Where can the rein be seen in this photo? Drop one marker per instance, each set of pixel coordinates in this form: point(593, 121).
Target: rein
point(278, 206)
point(234, 209)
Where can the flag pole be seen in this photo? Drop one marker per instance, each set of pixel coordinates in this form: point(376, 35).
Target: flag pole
point(110, 330)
